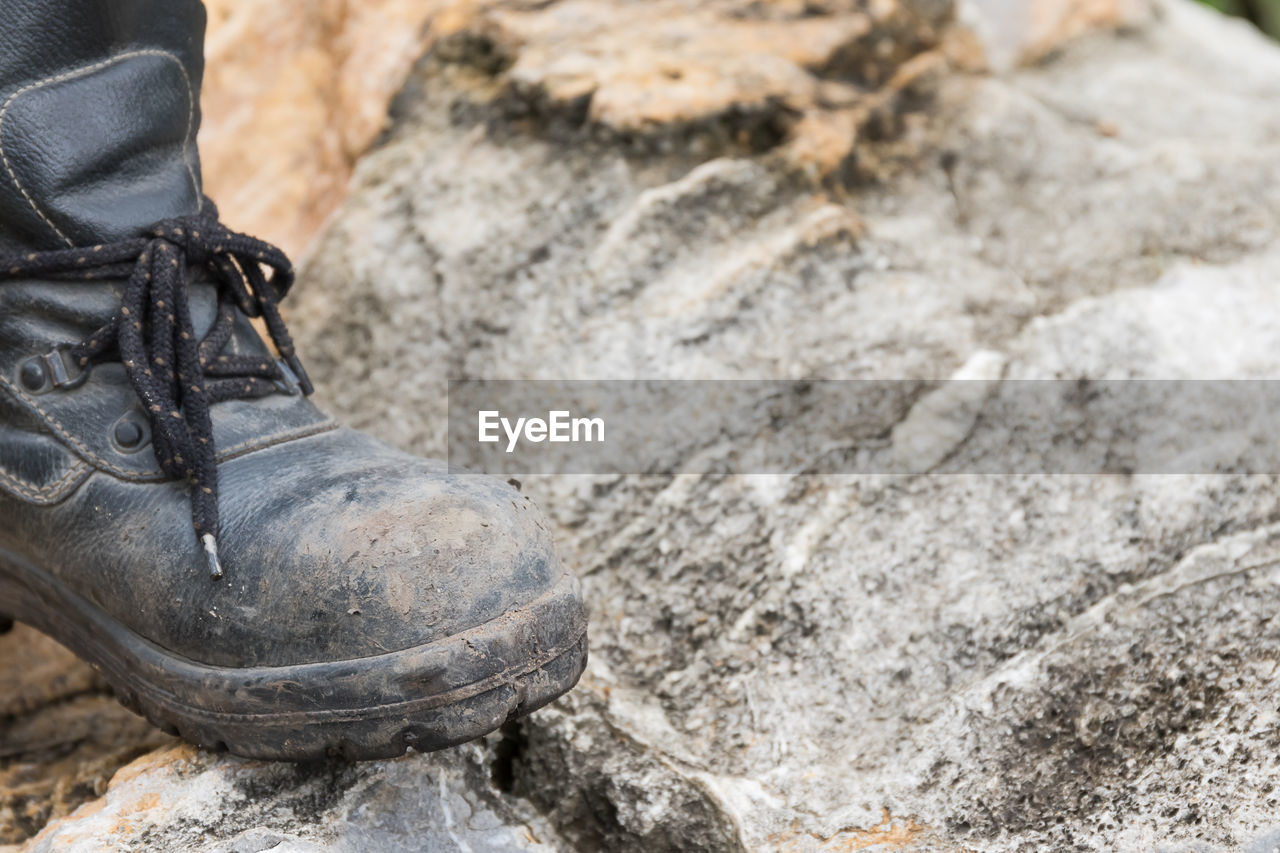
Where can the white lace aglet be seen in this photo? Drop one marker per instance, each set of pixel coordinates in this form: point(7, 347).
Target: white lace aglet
point(211, 556)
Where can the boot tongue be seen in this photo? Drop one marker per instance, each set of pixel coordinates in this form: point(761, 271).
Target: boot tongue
point(98, 153)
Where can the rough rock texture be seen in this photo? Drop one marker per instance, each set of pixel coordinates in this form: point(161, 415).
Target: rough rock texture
point(62, 735)
point(296, 91)
point(822, 663)
point(809, 79)
point(182, 799)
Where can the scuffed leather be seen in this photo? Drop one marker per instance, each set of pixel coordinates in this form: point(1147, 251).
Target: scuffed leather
point(34, 465)
point(99, 107)
point(335, 545)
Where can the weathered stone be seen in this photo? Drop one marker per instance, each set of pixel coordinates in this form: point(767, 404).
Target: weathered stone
point(707, 76)
point(62, 735)
point(295, 92)
point(815, 663)
point(181, 799)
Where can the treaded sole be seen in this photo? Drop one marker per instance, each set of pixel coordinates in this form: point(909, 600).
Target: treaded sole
point(426, 698)
point(376, 736)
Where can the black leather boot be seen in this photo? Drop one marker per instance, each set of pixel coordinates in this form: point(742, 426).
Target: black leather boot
point(243, 570)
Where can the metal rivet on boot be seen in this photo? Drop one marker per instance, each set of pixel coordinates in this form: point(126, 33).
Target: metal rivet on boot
point(32, 374)
point(129, 433)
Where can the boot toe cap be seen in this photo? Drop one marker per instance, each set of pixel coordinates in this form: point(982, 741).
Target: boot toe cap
point(356, 549)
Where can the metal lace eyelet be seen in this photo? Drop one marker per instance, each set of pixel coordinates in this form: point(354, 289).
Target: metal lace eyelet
point(130, 433)
point(289, 383)
point(54, 369)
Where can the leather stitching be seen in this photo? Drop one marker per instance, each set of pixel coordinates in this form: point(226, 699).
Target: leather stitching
point(250, 445)
point(89, 69)
point(58, 428)
point(97, 461)
point(48, 493)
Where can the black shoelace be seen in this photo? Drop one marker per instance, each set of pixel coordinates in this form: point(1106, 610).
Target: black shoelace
point(175, 376)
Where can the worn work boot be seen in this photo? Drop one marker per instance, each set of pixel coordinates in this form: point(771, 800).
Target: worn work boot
point(241, 569)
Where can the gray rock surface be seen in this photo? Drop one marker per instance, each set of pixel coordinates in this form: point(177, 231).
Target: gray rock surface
point(181, 799)
point(997, 663)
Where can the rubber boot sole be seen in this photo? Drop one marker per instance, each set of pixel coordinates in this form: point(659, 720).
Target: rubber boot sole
point(426, 698)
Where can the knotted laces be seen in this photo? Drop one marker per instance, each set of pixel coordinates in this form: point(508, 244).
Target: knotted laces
point(176, 376)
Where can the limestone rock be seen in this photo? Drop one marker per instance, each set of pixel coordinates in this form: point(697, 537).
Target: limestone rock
point(182, 799)
point(932, 662)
